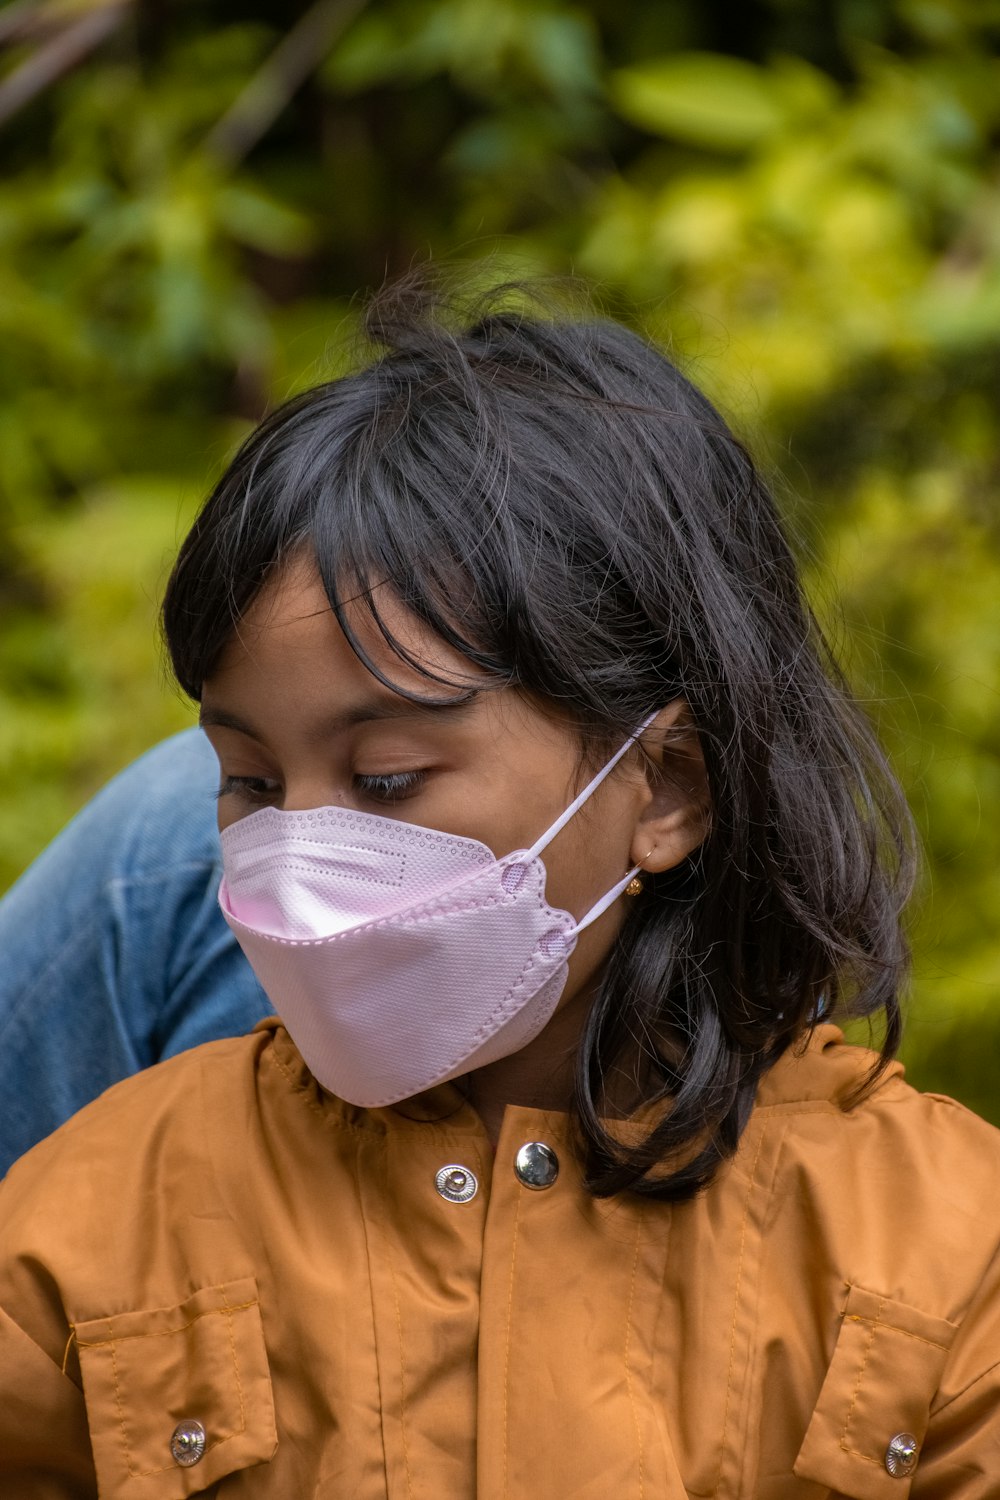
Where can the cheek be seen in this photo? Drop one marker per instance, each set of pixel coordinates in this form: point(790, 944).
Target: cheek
point(581, 871)
point(587, 858)
point(591, 953)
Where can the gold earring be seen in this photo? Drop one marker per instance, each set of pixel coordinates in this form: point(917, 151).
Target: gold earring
point(635, 885)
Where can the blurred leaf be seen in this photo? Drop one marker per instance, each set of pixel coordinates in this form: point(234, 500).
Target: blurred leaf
point(255, 218)
point(705, 98)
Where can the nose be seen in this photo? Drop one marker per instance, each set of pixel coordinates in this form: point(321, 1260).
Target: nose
point(308, 789)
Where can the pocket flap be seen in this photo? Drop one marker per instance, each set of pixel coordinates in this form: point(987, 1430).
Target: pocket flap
point(883, 1376)
point(147, 1373)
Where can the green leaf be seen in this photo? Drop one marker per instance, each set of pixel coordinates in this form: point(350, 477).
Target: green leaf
point(722, 103)
point(256, 218)
point(563, 52)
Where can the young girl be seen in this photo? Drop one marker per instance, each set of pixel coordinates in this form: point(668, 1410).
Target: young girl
point(554, 839)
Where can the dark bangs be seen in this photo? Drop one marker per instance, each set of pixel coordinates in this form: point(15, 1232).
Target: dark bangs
point(557, 502)
point(487, 486)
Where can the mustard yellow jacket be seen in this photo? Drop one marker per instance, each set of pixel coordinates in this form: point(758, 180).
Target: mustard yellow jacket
point(217, 1247)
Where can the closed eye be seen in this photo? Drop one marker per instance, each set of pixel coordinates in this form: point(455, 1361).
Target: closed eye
point(259, 790)
point(390, 789)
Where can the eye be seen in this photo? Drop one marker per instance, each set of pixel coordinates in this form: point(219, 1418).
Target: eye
point(389, 789)
point(256, 789)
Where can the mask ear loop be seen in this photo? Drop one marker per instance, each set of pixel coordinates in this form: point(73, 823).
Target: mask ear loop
point(541, 844)
point(600, 907)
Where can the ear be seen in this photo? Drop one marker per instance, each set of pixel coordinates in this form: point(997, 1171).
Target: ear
point(677, 817)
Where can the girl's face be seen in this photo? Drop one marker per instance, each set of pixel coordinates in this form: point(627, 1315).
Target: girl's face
point(298, 722)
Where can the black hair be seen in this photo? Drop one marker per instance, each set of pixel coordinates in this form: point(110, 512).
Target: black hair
point(553, 498)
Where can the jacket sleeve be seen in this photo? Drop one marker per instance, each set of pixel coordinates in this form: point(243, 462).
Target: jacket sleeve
point(44, 1444)
point(961, 1453)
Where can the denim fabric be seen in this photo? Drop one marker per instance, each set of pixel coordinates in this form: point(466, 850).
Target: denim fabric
point(113, 952)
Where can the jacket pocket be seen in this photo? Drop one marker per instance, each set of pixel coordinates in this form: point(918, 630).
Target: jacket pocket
point(885, 1371)
point(148, 1374)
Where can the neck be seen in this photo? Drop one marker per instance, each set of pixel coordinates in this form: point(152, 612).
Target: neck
point(540, 1076)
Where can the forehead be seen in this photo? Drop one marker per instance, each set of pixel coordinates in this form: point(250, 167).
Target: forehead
point(289, 676)
point(291, 631)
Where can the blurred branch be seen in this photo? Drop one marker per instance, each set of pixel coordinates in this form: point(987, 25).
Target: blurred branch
point(20, 19)
point(275, 83)
point(56, 57)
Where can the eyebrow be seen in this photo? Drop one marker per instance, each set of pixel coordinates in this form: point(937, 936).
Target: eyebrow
point(366, 711)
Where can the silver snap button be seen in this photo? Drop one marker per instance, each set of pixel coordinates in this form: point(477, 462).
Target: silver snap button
point(901, 1455)
point(456, 1184)
point(187, 1443)
point(536, 1165)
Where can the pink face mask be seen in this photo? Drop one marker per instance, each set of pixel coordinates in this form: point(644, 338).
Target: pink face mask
point(398, 956)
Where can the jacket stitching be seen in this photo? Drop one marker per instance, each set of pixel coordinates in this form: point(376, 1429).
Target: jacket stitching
point(331, 1121)
point(236, 1363)
point(510, 1317)
point(402, 1379)
point(894, 1328)
point(881, 1099)
point(121, 1411)
point(736, 1303)
point(298, 1088)
point(162, 1333)
point(628, 1368)
point(133, 1472)
point(857, 1384)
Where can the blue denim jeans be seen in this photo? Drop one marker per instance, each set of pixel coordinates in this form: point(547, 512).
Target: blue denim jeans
point(113, 951)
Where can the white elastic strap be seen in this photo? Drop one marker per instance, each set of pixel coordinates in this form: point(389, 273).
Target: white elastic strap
point(601, 906)
point(578, 802)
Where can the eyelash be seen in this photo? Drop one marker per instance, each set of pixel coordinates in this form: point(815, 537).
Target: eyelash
point(390, 789)
point(250, 788)
point(385, 789)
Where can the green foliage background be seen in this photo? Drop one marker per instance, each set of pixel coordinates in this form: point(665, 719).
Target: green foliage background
point(802, 199)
